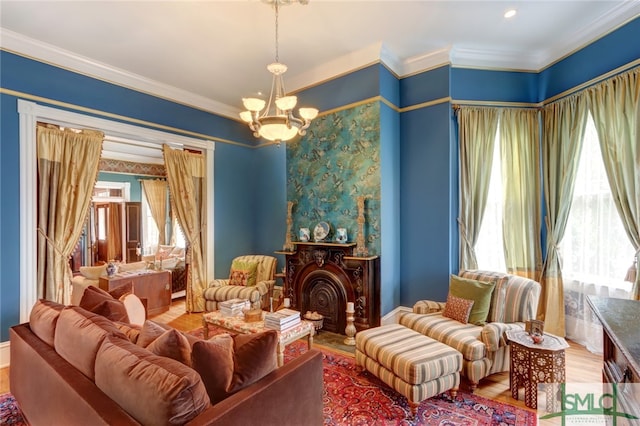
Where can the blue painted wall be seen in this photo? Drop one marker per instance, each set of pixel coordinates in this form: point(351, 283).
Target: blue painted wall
point(617, 49)
point(250, 192)
point(236, 166)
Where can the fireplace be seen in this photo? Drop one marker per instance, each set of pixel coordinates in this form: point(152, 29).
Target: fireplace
point(323, 277)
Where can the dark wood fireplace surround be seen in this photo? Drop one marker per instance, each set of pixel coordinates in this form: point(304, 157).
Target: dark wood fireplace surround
point(323, 277)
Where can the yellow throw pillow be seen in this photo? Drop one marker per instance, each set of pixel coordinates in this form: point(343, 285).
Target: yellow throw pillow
point(243, 273)
point(94, 272)
point(478, 291)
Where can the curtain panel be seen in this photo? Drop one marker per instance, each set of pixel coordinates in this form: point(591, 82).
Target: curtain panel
point(156, 192)
point(67, 171)
point(520, 155)
point(186, 176)
point(615, 107)
point(477, 131)
point(563, 128)
point(114, 232)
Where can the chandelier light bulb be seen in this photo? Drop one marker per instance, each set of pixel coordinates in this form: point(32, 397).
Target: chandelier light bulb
point(246, 116)
point(253, 104)
point(287, 103)
point(308, 113)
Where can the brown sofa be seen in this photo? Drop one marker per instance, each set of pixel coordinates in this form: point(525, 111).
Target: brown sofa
point(50, 390)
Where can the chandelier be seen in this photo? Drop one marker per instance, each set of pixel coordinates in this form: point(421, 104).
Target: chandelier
point(277, 122)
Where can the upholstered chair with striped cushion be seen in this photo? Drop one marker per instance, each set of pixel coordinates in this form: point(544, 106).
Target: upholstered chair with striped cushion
point(251, 277)
point(483, 347)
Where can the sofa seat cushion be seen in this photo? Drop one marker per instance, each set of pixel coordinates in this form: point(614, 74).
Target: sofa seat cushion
point(154, 390)
point(465, 338)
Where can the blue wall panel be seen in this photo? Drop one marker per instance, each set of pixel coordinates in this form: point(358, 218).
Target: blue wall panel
point(37, 78)
point(350, 88)
point(9, 216)
point(424, 214)
point(498, 86)
point(427, 86)
point(618, 48)
point(390, 260)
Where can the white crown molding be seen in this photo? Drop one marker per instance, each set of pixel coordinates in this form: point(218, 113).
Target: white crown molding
point(622, 13)
point(335, 67)
point(426, 61)
point(377, 52)
point(23, 45)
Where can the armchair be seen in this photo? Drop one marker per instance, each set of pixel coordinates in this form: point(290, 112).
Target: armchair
point(483, 347)
point(258, 294)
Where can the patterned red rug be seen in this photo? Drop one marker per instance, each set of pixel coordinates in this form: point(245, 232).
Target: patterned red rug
point(352, 397)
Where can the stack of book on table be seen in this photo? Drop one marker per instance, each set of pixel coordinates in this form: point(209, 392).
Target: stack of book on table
point(233, 307)
point(281, 320)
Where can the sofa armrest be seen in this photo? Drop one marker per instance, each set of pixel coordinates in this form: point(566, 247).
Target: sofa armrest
point(289, 395)
point(493, 336)
point(428, 307)
point(219, 282)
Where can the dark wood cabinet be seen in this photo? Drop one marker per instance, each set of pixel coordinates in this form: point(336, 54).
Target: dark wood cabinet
point(621, 347)
point(155, 286)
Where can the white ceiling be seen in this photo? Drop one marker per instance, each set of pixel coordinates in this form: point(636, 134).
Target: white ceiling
point(210, 54)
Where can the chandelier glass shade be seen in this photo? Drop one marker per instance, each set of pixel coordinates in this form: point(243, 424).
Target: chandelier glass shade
point(275, 120)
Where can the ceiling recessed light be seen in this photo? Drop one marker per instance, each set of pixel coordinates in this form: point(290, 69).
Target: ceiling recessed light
point(510, 13)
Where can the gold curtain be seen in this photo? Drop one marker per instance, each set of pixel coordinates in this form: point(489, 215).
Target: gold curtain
point(156, 193)
point(186, 176)
point(477, 132)
point(520, 154)
point(563, 125)
point(615, 107)
point(114, 232)
point(67, 172)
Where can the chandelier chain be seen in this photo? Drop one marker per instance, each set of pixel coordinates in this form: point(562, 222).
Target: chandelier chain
point(277, 53)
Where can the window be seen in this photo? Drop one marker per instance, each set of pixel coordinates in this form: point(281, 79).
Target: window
point(595, 248)
point(489, 247)
point(149, 228)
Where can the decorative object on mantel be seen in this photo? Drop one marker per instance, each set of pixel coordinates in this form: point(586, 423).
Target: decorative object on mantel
point(350, 329)
point(288, 245)
point(341, 235)
point(361, 248)
point(305, 235)
point(277, 123)
point(321, 231)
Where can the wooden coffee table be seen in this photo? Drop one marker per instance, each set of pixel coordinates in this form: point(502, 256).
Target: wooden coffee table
point(239, 325)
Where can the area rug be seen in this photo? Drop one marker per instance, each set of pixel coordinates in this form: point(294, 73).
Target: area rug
point(10, 413)
point(354, 397)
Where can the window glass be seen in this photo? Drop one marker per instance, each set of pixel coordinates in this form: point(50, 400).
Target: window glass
point(489, 247)
point(595, 248)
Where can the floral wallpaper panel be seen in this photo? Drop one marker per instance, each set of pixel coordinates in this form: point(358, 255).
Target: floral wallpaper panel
point(337, 161)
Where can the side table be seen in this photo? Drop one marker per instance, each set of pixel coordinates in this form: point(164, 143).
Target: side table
point(534, 363)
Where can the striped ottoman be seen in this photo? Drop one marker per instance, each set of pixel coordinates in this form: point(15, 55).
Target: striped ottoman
point(416, 366)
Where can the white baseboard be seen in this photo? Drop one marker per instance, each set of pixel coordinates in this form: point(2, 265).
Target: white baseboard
point(4, 354)
point(393, 316)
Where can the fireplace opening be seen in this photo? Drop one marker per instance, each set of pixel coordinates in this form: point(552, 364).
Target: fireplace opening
point(323, 292)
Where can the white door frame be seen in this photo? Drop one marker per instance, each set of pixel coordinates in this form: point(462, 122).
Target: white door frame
point(30, 114)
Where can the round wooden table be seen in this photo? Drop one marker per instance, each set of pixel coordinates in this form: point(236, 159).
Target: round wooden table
point(534, 363)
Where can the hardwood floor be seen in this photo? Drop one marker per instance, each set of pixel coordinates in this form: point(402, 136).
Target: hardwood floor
point(582, 366)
